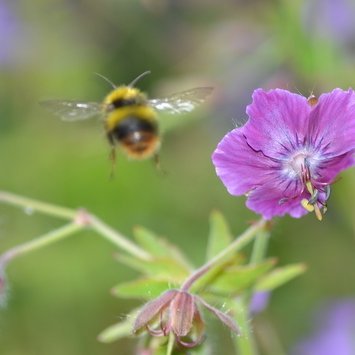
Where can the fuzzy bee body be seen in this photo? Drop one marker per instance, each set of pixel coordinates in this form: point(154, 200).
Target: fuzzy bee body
point(131, 122)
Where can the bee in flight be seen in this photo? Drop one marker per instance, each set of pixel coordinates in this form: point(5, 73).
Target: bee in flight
point(130, 118)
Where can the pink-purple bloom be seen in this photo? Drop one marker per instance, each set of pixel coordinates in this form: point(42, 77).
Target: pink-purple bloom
point(289, 152)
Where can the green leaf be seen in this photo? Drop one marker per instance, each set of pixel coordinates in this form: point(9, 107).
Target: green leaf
point(157, 246)
point(149, 241)
point(166, 268)
point(280, 276)
point(219, 237)
point(213, 273)
point(146, 288)
point(119, 330)
point(236, 279)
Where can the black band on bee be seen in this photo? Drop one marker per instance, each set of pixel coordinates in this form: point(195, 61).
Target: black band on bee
point(131, 125)
point(123, 102)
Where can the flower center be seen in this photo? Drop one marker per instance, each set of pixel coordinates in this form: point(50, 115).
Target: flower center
point(302, 165)
point(299, 165)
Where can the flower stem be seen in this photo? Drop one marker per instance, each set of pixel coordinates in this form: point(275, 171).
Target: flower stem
point(34, 205)
point(38, 243)
point(238, 243)
point(118, 239)
point(80, 219)
point(170, 345)
point(257, 255)
point(260, 246)
point(246, 343)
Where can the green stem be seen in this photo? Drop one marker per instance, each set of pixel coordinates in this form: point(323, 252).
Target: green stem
point(238, 243)
point(80, 218)
point(257, 255)
point(246, 343)
point(33, 205)
point(39, 242)
point(260, 246)
point(170, 345)
point(118, 239)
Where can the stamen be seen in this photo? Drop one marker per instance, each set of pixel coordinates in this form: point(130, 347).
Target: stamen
point(311, 205)
point(327, 192)
point(318, 212)
point(314, 197)
point(306, 205)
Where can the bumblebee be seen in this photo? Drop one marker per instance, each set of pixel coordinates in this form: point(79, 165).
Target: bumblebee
point(130, 118)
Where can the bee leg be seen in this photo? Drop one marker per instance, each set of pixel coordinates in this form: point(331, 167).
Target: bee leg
point(112, 157)
point(158, 165)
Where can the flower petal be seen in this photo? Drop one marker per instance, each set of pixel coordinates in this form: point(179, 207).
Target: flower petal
point(182, 310)
point(330, 168)
point(152, 308)
point(238, 166)
point(223, 317)
point(198, 328)
point(268, 201)
point(278, 121)
point(332, 123)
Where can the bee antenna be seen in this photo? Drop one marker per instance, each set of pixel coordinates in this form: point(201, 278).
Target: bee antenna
point(139, 77)
point(106, 79)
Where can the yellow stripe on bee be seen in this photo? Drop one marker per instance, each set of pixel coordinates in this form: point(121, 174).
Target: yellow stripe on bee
point(140, 108)
point(145, 112)
point(124, 92)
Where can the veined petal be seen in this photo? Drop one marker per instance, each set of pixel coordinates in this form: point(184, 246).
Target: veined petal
point(330, 168)
point(238, 166)
point(269, 202)
point(278, 122)
point(182, 310)
point(198, 327)
point(332, 123)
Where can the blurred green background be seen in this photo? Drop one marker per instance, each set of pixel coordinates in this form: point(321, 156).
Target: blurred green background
point(59, 297)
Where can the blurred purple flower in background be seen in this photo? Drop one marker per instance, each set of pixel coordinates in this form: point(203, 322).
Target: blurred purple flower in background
point(335, 334)
point(289, 152)
point(13, 38)
point(331, 19)
point(259, 302)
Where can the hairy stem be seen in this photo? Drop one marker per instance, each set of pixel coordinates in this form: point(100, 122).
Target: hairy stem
point(244, 343)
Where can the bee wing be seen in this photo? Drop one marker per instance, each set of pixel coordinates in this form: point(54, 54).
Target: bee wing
point(181, 102)
point(69, 110)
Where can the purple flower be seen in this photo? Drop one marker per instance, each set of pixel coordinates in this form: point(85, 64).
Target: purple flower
point(335, 333)
point(289, 152)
